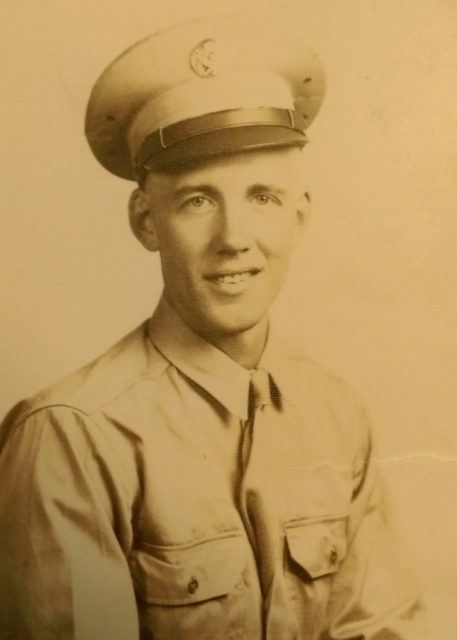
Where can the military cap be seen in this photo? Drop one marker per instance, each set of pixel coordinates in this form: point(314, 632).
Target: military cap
point(209, 86)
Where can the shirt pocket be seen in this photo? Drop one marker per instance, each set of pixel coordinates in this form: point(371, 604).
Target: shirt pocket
point(314, 552)
point(191, 591)
point(318, 548)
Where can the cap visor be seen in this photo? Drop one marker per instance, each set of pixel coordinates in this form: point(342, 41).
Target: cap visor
point(223, 141)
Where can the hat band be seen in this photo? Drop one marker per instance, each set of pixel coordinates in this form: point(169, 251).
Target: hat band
point(166, 137)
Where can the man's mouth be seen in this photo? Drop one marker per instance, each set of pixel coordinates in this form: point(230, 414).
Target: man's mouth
point(232, 277)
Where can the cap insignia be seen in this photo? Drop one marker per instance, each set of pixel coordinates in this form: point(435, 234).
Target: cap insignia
point(203, 59)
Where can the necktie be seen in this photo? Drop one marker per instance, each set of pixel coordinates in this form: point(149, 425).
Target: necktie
point(259, 390)
point(255, 457)
point(259, 396)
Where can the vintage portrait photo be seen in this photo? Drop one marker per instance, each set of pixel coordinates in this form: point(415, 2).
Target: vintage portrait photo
point(228, 345)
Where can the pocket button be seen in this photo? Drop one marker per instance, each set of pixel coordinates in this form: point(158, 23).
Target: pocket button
point(333, 556)
point(192, 585)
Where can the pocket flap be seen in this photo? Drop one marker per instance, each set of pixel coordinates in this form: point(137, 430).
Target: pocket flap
point(318, 547)
point(185, 575)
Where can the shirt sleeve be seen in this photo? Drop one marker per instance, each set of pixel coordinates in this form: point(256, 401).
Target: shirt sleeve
point(374, 594)
point(63, 534)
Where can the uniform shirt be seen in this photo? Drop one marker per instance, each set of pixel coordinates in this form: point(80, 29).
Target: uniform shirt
point(125, 512)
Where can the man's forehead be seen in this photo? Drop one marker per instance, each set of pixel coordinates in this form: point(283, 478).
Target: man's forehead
point(278, 168)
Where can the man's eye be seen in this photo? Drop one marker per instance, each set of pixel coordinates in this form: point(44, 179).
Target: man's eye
point(262, 198)
point(198, 202)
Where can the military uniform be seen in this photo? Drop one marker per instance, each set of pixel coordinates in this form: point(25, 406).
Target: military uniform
point(129, 497)
point(165, 491)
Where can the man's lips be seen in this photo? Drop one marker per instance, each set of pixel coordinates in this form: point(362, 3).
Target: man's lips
point(231, 276)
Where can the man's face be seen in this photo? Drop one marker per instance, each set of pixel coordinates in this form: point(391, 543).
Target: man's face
point(225, 231)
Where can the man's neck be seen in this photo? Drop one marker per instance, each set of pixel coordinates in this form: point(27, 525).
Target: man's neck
point(245, 347)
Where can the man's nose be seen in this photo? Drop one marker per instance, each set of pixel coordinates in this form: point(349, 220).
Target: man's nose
point(235, 233)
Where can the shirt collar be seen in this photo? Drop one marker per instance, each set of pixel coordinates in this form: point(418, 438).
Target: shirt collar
point(212, 369)
point(283, 364)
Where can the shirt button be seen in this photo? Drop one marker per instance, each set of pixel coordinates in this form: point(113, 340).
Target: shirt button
point(193, 585)
point(333, 556)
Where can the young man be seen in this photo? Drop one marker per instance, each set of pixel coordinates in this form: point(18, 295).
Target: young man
point(201, 480)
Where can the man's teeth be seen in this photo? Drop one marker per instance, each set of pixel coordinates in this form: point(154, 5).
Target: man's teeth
point(233, 278)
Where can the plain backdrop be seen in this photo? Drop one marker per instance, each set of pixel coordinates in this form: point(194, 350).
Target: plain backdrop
point(373, 288)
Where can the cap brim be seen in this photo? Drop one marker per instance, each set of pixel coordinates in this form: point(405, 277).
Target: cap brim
point(221, 142)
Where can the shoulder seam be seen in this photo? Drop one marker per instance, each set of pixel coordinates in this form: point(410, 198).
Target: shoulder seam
point(133, 382)
point(50, 406)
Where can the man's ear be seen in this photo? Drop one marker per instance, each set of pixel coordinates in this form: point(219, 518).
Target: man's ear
point(142, 220)
point(303, 212)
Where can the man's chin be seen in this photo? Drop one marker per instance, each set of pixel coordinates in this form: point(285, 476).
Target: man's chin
point(227, 326)
point(219, 321)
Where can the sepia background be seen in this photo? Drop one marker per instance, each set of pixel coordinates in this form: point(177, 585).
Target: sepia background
point(373, 288)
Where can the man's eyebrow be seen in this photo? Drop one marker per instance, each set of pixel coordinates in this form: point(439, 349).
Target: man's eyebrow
point(187, 190)
point(262, 188)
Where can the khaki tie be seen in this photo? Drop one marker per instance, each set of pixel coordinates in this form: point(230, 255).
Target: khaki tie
point(259, 390)
point(254, 452)
point(259, 396)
